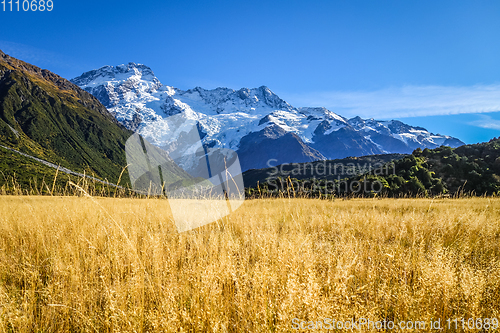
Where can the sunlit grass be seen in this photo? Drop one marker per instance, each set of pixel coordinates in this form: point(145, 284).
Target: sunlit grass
point(91, 264)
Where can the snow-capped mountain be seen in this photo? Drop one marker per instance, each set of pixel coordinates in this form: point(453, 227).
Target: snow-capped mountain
point(256, 123)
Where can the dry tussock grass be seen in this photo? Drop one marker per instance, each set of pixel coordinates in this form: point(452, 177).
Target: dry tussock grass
point(71, 264)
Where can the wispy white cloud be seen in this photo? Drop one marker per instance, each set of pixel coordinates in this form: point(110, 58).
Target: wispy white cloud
point(486, 122)
point(408, 101)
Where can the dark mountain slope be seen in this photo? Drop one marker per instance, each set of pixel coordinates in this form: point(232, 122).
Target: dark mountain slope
point(276, 146)
point(46, 116)
point(18, 169)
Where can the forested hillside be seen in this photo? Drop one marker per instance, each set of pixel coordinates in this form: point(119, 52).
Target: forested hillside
point(469, 169)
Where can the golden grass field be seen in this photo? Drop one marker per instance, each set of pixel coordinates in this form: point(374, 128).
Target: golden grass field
point(71, 264)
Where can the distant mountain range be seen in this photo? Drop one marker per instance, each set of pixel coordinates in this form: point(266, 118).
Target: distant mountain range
point(263, 128)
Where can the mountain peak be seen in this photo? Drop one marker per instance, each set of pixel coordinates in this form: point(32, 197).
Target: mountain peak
point(356, 121)
point(121, 72)
point(112, 84)
point(265, 95)
point(132, 66)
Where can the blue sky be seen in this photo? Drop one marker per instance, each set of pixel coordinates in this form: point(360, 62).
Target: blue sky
point(430, 63)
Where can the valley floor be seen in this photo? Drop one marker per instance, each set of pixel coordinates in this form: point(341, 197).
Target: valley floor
point(71, 264)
